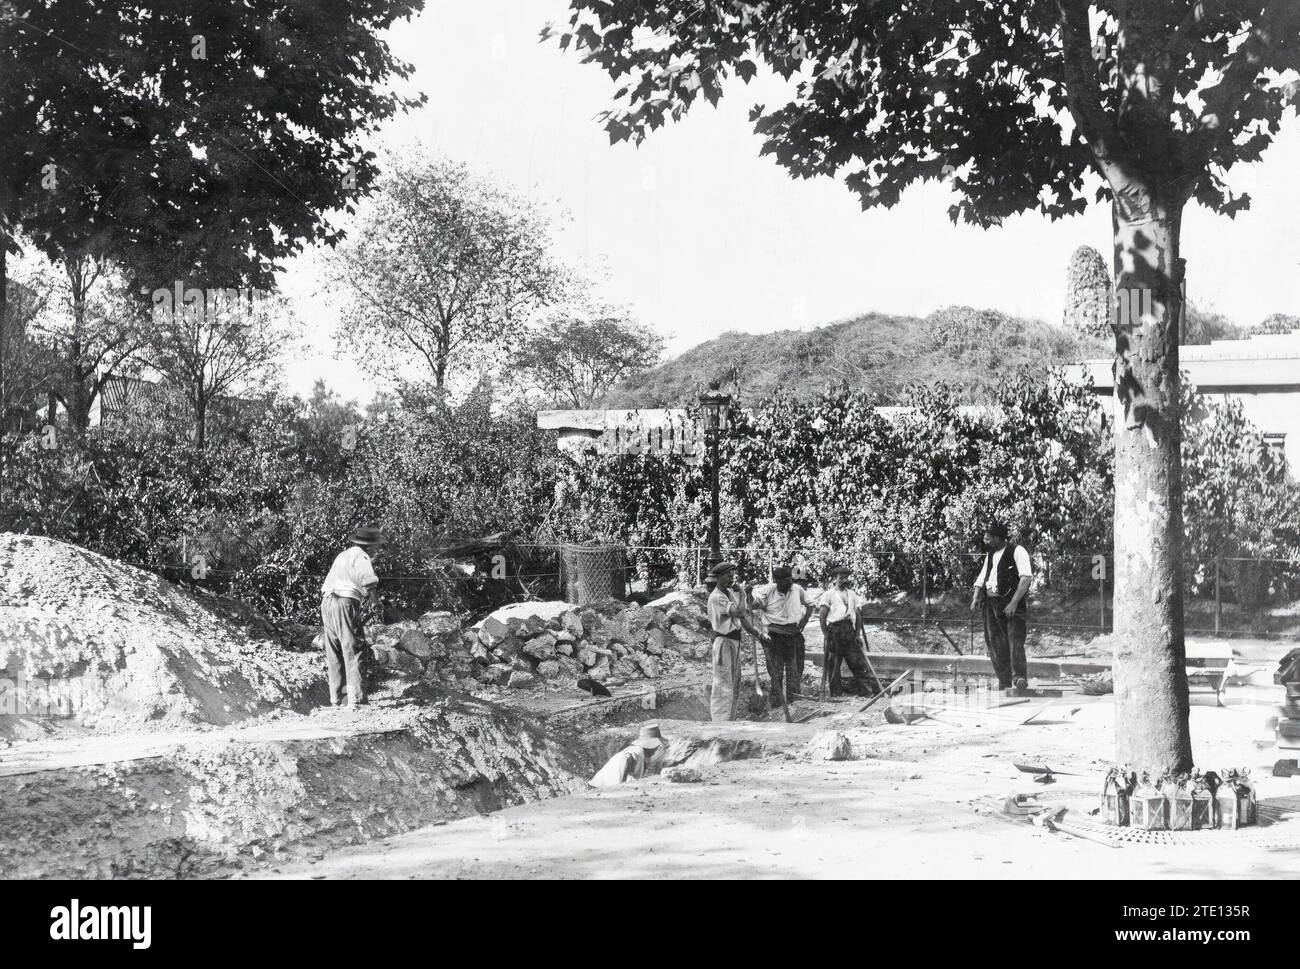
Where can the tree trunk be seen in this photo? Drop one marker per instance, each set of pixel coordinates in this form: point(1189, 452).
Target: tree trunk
point(1151, 705)
point(4, 330)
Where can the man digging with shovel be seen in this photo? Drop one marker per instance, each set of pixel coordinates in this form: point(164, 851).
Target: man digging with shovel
point(351, 582)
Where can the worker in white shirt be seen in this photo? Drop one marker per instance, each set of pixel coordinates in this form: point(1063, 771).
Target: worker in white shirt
point(784, 608)
point(840, 615)
point(1003, 585)
point(351, 582)
point(727, 616)
point(645, 755)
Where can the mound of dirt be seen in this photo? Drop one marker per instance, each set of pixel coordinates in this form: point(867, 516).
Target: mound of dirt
point(91, 642)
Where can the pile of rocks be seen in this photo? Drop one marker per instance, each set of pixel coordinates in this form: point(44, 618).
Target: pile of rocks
point(533, 645)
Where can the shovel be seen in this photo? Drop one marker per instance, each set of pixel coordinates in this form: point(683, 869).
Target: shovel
point(759, 704)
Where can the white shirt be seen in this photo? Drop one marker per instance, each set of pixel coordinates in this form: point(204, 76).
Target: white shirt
point(990, 582)
point(630, 763)
point(351, 575)
point(787, 608)
point(843, 603)
point(721, 606)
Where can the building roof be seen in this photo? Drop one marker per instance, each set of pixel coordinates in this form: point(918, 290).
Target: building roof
point(1262, 362)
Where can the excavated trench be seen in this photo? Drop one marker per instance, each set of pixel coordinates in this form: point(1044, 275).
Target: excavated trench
point(290, 787)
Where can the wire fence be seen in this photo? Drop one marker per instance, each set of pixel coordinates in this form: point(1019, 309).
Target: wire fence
point(1226, 596)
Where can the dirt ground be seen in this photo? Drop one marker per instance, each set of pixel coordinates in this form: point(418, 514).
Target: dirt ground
point(904, 810)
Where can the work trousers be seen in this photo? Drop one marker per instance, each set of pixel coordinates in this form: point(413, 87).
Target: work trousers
point(783, 653)
point(345, 644)
point(726, 678)
point(842, 646)
point(1005, 639)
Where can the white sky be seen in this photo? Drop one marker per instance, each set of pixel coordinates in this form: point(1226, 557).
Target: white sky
point(700, 235)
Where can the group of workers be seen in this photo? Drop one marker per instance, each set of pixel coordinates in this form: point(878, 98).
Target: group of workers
point(775, 614)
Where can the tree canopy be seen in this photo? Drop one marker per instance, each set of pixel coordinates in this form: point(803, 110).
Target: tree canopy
point(1013, 103)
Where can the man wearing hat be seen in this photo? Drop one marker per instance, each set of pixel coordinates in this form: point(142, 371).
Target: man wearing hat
point(645, 755)
point(840, 616)
point(1003, 583)
point(783, 606)
point(727, 616)
point(350, 583)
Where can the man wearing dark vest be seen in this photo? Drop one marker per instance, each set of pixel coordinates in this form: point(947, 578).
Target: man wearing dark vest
point(1003, 585)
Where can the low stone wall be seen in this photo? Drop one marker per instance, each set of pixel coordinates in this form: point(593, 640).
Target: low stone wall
point(536, 645)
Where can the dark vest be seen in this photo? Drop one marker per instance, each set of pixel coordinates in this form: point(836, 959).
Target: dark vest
point(1008, 574)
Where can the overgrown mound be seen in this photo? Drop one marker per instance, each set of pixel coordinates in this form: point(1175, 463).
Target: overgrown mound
point(90, 641)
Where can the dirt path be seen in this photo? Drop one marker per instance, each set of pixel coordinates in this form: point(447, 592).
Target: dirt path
point(902, 812)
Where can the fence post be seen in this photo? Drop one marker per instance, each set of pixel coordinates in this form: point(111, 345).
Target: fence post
point(925, 588)
point(771, 563)
point(699, 577)
point(1101, 595)
point(1218, 599)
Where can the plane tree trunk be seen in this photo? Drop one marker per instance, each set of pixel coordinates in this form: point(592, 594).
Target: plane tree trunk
point(1151, 704)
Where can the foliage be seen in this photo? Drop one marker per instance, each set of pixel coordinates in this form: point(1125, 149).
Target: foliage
point(217, 344)
point(1012, 104)
point(972, 351)
point(1088, 294)
point(216, 138)
point(443, 269)
point(1278, 323)
point(269, 531)
point(1239, 502)
point(832, 472)
point(1204, 324)
point(575, 355)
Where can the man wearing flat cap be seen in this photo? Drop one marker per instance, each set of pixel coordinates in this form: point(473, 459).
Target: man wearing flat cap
point(727, 616)
point(783, 606)
point(645, 755)
point(351, 582)
point(1003, 584)
point(840, 615)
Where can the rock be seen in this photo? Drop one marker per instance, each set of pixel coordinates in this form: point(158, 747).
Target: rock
point(492, 631)
point(658, 619)
point(548, 669)
point(654, 642)
point(683, 775)
point(391, 658)
point(684, 634)
point(416, 643)
point(570, 667)
point(564, 649)
point(542, 614)
point(540, 647)
point(613, 680)
point(648, 664)
point(573, 625)
point(588, 656)
point(531, 626)
point(564, 636)
point(830, 745)
point(479, 654)
point(520, 680)
point(703, 653)
point(498, 673)
point(439, 625)
point(522, 663)
point(627, 669)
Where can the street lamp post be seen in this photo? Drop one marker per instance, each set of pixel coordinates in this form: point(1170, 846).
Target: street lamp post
point(715, 407)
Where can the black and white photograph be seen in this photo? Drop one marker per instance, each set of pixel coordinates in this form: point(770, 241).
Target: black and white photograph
point(656, 441)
